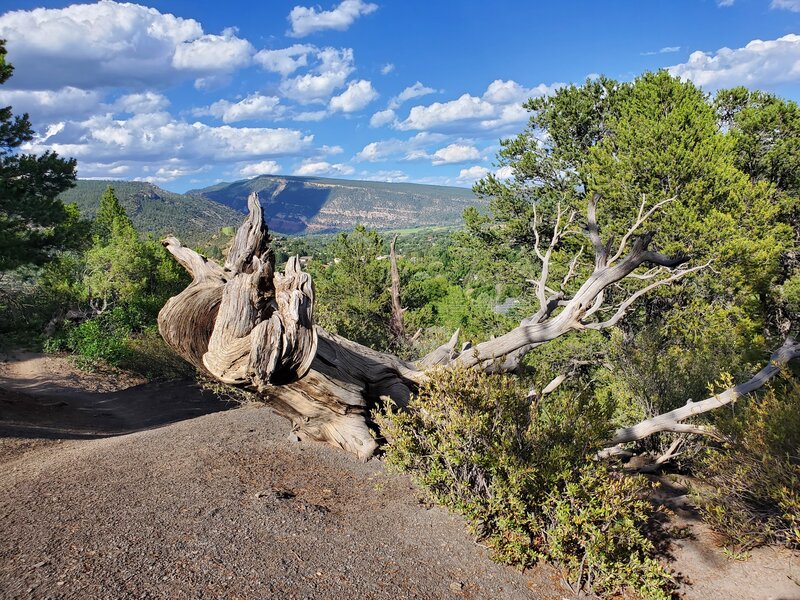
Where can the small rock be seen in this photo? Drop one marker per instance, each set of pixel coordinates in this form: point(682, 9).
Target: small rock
point(456, 586)
point(293, 437)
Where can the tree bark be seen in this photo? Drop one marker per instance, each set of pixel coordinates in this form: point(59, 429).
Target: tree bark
point(245, 324)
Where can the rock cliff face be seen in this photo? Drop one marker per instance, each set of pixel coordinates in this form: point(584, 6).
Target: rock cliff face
point(315, 205)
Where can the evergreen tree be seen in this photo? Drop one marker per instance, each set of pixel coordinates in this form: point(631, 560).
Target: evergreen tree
point(33, 221)
point(658, 139)
point(109, 212)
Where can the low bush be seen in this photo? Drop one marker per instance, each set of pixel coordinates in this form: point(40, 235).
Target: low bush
point(122, 337)
point(521, 474)
point(752, 491)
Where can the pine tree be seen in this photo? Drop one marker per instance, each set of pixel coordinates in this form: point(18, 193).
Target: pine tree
point(34, 223)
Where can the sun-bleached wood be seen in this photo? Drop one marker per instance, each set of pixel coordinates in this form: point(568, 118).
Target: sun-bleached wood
point(672, 421)
point(246, 325)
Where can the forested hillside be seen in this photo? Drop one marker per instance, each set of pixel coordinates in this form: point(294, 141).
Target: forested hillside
point(155, 210)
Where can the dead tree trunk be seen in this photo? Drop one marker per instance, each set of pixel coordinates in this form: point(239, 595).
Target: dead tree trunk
point(246, 325)
point(396, 321)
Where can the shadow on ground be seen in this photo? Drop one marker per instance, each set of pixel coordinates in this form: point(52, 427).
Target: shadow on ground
point(77, 414)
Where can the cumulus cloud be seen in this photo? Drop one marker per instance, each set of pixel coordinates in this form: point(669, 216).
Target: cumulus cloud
point(387, 68)
point(455, 153)
point(792, 5)
point(465, 108)
point(306, 20)
point(321, 167)
point(725, 3)
point(472, 174)
point(759, 63)
point(106, 44)
point(392, 176)
point(147, 102)
point(285, 60)
point(335, 66)
point(499, 108)
point(382, 117)
point(43, 105)
point(325, 149)
point(224, 52)
point(160, 139)
point(265, 167)
point(357, 95)
point(410, 149)
point(413, 91)
point(254, 106)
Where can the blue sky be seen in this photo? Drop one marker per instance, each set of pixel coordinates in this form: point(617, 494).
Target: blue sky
point(186, 94)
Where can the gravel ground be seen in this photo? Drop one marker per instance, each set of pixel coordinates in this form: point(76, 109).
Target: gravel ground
point(111, 488)
point(224, 506)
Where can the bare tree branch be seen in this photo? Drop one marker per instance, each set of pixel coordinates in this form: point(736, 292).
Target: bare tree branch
point(623, 308)
point(672, 421)
point(640, 219)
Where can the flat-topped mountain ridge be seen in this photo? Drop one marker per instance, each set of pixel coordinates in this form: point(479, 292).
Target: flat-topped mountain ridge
point(315, 205)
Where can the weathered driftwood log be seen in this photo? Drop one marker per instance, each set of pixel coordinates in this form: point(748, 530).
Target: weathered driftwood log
point(246, 325)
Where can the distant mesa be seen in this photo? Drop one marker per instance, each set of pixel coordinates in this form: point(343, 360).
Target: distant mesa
point(321, 205)
point(292, 205)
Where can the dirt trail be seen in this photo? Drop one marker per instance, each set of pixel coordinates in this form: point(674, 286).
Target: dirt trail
point(124, 491)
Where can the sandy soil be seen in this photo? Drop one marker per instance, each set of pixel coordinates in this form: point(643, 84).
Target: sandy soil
point(157, 491)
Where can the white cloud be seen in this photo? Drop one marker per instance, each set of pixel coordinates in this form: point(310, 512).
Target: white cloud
point(664, 50)
point(759, 63)
point(394, 176)
point(310, 168)
point(310, 116)
point(224, 52)
point(725, 3)
point(472, 174)
point(414, 91)
point(265, 167)
point(498, 109)
point(792, 5)
point(465, 108)
point(285, 60)
point(212, 82)
point(387, 68)
point(382, 117)
point(90, 46)
point(306, 20)
point(325, 149)
point(43, 105)
point(410, 149)
point(455, 153)
point(505, 172)
point(357, 95)
point(160, 139)
point(335, 66)
point(254, 106)
point(146, 102)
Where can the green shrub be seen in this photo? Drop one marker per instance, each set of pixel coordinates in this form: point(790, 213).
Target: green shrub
point(102, 338)
point(752, 494)
point(519, 471)
point(122, 337)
